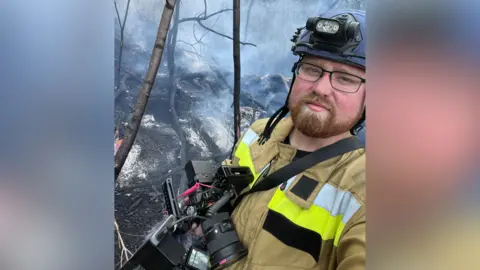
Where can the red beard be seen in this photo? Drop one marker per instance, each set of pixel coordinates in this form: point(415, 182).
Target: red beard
point(322, 124)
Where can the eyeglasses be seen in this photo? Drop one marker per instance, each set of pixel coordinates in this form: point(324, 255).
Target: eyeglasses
point(340, 81)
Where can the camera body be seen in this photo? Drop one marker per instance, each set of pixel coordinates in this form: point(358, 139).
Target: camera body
point(162, 251)
point(206, 201)
point(207, 186)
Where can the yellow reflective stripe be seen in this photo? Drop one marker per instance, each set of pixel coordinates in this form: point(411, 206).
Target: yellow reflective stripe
point(337, 202)
point(327, 216)
point(243, 153)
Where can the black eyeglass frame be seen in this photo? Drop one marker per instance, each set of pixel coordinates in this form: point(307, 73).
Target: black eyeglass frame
point(299, 65)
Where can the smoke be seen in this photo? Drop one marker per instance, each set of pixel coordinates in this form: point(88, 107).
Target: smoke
point(271, 24)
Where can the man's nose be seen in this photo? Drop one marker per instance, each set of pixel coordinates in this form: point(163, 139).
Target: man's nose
point(323, 86)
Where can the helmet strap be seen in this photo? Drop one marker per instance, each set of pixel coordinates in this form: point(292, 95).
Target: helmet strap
point(277, 116)
point(359, 125)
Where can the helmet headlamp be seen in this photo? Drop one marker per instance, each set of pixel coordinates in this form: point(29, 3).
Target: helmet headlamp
point(327, 26)
point(337, 31)
point(339, 34)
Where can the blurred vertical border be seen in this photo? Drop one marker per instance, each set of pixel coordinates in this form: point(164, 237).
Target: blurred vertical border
point(56, 167)
point(422, 169)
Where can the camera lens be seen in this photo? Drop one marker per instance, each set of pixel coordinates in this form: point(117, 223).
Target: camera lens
point(222, 241)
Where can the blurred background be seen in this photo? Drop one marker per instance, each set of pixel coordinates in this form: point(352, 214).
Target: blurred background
point(422, 161)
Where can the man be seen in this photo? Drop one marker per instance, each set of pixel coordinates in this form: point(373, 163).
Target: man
point(316, 220)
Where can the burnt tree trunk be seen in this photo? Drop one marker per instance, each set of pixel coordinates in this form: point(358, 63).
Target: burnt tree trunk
point(236, 64)
point(149, 81)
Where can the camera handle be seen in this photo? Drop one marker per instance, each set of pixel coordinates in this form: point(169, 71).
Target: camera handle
point(283, 174)
point(219, 204)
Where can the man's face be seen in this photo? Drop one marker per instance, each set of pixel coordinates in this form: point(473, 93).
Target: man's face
point(319, 110)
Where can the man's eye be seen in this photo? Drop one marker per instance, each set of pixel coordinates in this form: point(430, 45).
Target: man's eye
point(347, 79)
point(310, 70)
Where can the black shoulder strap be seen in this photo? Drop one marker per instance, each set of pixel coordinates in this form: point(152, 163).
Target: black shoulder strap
point(283, 174)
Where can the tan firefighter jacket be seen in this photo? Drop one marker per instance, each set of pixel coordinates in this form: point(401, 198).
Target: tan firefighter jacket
point(316, 222)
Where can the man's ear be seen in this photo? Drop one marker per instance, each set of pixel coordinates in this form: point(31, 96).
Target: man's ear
point(365, 99)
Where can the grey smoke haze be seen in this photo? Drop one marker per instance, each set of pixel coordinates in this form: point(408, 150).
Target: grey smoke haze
point(270, 27)
point(271, 24)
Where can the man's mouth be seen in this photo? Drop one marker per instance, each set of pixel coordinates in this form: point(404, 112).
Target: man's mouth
point(315, 106)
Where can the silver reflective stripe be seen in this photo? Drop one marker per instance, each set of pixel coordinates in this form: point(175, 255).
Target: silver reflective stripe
point(337, 202)
point(264, 169)
point(249, 137)
point(289, 182)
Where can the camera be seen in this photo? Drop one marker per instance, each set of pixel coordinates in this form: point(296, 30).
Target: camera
point(205, 202)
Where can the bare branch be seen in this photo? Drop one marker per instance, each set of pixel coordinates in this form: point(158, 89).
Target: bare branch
point(204, 17)
point(199, 40)
point(126, 14)
point(118, 14)
point(122, 33)
point(191, 45)
point(205, 4)
point(125, 252)
point(197, 54)
point(122, 24)
point(250, 5)
point(195, 35)
point(223, 35)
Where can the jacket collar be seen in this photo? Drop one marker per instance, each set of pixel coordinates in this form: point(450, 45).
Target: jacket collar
point(262, 154)
point(281, 131)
